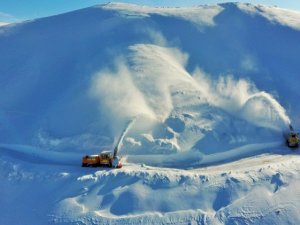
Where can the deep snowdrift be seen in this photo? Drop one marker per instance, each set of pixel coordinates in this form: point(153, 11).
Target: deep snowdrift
point(205, 85)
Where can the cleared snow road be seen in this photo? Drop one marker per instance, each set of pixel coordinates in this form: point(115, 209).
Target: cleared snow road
point(262, 152)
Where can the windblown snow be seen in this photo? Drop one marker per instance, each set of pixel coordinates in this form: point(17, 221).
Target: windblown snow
point(211, 90)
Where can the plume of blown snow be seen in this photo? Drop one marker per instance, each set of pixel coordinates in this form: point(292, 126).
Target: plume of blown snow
point(141, 87)
point(119, 99)
point(155, 71)
point(264, 110)
point(241, 98)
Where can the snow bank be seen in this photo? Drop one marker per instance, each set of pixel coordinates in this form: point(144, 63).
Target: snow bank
point(284, 17)
point(40, 156)
point(200, 15)
point(215, 195)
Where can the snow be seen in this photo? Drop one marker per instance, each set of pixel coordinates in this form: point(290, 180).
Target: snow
point(203, 96)
point(238, 191)
point(3, 24)
point(201, 15)
point(284, 17)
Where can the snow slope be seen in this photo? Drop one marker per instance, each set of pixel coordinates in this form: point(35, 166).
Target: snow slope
point(205, 85)
point(262, 189)
point(3, 24)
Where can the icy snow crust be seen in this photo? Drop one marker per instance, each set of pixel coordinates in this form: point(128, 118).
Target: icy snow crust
point(211, 90)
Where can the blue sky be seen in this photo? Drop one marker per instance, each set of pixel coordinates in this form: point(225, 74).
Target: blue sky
point(16, 10)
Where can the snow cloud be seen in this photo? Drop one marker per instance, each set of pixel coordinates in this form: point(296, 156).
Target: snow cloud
point(142, 85)
point(118, 96)
point(248, 63)
point(156, 37)
point(241, 98)
point(155, 71)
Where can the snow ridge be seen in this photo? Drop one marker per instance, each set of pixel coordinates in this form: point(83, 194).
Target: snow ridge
point(284, 17)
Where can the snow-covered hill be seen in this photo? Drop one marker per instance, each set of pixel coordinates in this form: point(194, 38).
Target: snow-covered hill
point(3, 24)
point(205, 85)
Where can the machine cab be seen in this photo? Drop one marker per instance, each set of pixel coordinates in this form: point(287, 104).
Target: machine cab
point(293, 139)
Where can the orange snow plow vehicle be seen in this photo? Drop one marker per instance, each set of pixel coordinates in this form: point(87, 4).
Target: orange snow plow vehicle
point(104, 159)
point(292, 139)
point(107, 158)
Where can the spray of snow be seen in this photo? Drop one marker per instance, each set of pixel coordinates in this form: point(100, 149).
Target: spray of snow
point(119, 98)
point(125, 131)
point(155, 71)
point(241, 98)
point(264, 110)
point(143, 86)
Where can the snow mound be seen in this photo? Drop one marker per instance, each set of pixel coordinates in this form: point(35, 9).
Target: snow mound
point(211, 90)
point(215, 195)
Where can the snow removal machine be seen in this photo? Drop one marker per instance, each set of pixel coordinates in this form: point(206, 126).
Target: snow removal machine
point(292, 139)
point(104, 159)
point(107, 158)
